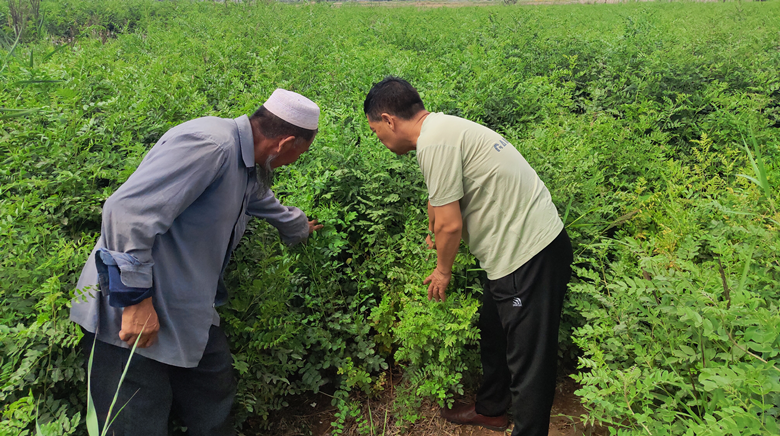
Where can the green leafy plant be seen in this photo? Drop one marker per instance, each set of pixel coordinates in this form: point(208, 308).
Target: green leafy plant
point(93, 427)
point(757, 163)
point(633, 115)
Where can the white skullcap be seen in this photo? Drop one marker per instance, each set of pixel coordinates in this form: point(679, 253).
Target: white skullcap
point(293, 108)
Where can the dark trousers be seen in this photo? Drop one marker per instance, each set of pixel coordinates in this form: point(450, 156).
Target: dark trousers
point(201, 397)
point(519, 339)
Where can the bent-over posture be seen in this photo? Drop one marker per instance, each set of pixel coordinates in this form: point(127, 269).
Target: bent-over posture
point(481, 189)
point(166, 239)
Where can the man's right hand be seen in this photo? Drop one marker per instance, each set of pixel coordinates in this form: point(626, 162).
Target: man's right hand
point(430, 242)
point(137, 317)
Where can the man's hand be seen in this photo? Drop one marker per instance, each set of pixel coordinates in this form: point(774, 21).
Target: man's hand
point(430, 242)
point(133, 320)
point(438, 284)
point(314, 226)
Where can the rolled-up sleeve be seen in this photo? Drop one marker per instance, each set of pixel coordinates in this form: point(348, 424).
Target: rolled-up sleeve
point(292, 223)
point(108, 266)
point(170, 178)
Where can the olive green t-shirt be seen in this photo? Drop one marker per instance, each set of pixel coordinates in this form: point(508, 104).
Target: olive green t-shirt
point(508, 215)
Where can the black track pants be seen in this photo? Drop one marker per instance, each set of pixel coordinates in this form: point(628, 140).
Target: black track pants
point(519, 339)
point(202, 396)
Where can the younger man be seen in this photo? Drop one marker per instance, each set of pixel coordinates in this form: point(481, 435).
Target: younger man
point(481, 188)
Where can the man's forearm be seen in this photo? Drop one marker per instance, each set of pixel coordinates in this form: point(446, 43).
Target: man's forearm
point(291, 222)
point(447, 227)
point(447, 243)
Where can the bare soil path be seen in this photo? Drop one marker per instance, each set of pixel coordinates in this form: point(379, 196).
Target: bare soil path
point(312, 415)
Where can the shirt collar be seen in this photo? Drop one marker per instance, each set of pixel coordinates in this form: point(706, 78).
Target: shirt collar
point(247, 140)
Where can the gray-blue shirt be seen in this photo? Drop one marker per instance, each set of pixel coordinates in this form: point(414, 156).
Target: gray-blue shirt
point(172, 226)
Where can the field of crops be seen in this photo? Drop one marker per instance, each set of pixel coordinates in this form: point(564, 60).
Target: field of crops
point(656, 127)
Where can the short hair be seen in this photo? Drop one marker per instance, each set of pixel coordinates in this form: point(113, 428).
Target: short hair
point(394, 96)
point(273, 127)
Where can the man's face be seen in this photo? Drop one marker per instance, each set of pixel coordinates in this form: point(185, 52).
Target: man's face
point(291, 153)
point(386, 135)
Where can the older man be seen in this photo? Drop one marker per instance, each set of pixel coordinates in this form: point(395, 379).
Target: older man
point(166, 239)
point(481, 188)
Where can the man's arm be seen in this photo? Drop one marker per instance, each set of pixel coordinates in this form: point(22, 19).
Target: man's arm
point(442, 167)
point(291, 222)
point(447, 227)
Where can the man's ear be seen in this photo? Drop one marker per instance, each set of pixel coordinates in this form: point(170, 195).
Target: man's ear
point(285, 143)
point(390, 120)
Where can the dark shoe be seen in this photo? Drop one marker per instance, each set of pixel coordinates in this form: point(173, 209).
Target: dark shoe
point(466, 414)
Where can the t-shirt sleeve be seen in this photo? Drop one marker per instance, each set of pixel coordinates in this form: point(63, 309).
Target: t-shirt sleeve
point(442, 168)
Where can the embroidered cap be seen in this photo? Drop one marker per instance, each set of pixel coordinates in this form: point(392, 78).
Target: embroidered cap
point(293, 108)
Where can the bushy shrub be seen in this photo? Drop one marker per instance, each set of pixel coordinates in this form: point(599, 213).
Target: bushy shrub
point(635, 122)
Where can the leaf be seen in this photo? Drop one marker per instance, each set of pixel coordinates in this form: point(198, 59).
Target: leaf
point(109, 418)
point(53, 52)
point(38, 431)
point(13, 113)
point(23, 82)
point(10, 52)
point(758, 168)
point(752, 179)
point(92, 422)
point(745, 270)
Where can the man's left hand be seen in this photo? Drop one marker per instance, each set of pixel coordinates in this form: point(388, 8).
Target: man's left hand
point(314, 226)
point(438, 284)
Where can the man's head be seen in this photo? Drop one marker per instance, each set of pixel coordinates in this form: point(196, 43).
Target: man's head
point(283, 129)
point(392, 107)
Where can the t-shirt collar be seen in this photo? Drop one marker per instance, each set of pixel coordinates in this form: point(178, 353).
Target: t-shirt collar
point(423, 125)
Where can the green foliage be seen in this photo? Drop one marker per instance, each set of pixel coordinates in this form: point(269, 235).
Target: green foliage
point(639, 118)
point(760, 172)
point(682, 331)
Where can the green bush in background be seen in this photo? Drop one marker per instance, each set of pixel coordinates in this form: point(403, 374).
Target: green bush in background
point(640, 118)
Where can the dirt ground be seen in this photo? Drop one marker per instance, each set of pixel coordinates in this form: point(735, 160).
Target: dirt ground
point(312, 416)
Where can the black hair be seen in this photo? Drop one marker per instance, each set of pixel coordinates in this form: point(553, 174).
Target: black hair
point(273, 127)
point(394, 96)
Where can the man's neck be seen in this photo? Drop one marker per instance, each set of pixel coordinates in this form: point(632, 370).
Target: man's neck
point(257, 139)
point(413, 127)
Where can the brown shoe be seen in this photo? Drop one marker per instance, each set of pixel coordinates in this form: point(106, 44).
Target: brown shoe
point(466, 414)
